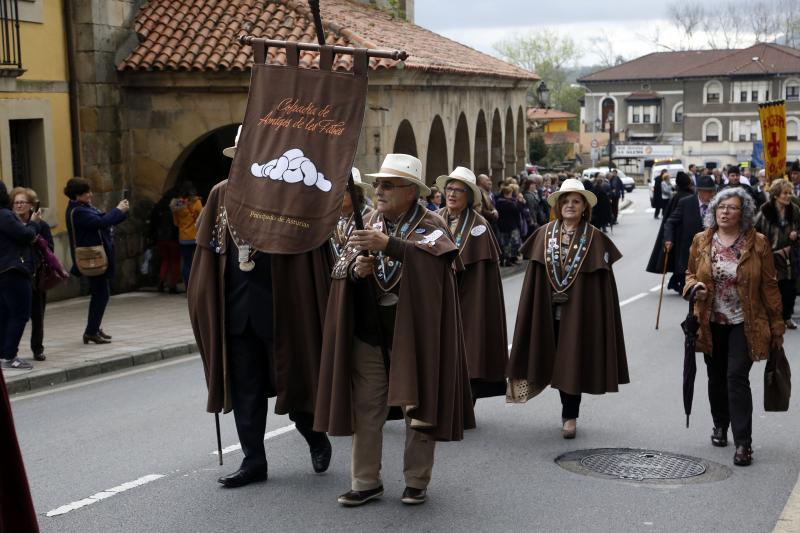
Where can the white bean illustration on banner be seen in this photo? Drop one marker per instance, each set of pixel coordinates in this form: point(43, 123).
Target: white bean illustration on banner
point(292, 167)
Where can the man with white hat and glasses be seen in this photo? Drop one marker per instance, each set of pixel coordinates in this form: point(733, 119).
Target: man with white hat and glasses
point(389, 343)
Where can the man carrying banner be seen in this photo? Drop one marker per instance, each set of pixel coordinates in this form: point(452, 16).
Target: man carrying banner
point(393, 337)
point(258, 326)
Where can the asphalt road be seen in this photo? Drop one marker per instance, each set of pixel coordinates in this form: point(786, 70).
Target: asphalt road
point(80, 440)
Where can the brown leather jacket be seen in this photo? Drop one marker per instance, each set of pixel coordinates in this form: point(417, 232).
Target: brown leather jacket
point(757, 286)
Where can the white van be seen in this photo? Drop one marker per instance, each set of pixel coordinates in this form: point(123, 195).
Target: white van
point(671, 168)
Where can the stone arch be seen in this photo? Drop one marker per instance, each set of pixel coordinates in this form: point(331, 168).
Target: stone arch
point(404, 141)
point(436, 159)
point(521, 151)
point(508, 145)
point(202, 162)
point(481, 151)
point(496, 151)
point(608, 105)
point(461, 152)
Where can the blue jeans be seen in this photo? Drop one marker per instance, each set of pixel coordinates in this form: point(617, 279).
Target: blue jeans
point(100, 293)
point(187, 254)
point(15, 310)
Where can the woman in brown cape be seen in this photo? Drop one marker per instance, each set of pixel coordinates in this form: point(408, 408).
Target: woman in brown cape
point(569, 331)
point(480, 288)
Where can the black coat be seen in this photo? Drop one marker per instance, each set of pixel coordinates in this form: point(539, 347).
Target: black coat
point(656, 262)
point(16, 240)
point(680, 228)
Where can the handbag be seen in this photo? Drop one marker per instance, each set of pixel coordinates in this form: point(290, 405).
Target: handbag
point(90, 260)
point(777, 381)
point(49, 271)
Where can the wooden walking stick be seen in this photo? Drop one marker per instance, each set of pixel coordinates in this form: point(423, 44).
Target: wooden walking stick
point(661, 293)
point(219, 438)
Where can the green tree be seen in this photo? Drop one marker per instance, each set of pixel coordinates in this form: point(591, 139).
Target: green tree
point(551, 56)
point(537, 149)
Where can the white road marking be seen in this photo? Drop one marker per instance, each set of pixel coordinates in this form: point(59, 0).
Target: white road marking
point(650, 210)
point(656, 288)
point(94, 498)
point(632, 299)
point(114, 375)
point(267, 436)
point(627, 211)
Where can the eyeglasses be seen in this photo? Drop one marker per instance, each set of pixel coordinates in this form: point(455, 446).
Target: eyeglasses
point(388, 186)
point(726, 207)
point(21, 203)
point(455, 191)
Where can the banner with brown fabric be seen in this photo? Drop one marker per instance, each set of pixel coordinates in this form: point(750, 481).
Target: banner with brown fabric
point(297, 146)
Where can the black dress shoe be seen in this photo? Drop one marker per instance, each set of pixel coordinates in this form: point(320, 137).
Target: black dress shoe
point(243, 477)
point(321, 456)
point(412, 496)
point(719, 437)
point(96, 338)
point(103, 334)
point(743, 455)
point(354, 498)
point(39, 356)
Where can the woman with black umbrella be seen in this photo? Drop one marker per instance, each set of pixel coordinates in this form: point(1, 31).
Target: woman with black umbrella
point(731, 275)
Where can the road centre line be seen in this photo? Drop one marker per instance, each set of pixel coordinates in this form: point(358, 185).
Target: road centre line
point(269, 435)
point(94, 498)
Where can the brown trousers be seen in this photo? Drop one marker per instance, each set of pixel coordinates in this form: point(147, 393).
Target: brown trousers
point(370, 409)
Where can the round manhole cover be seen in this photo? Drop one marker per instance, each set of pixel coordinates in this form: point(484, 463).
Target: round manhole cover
point(642, 465)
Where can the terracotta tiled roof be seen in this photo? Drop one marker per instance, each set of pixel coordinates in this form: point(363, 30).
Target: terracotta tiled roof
point(643, 95)
point(201, 35)
point(758, 59)
point(540, 114)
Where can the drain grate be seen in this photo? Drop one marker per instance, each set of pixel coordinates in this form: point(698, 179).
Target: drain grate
point(648, 466)
point(643, 465)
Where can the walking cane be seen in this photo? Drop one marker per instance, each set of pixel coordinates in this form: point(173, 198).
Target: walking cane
point(661, 293)
point(219, 438)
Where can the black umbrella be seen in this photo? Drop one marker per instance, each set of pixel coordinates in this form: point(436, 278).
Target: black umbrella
point(690, 327)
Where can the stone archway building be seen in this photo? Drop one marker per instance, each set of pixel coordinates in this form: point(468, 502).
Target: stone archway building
point(179, 87)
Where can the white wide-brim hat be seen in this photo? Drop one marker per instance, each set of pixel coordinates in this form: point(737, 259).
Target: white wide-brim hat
point(465, 176)
point(366, 188)
point(572, 185)
point(230, 151)
point(403, 166)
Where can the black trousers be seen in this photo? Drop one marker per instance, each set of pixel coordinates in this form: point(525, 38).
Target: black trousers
point(570, 403)
point(38, 303)
point(100, 293)
point(252, 383)
point(15, 310)
point(729, 382)
point(788, 294)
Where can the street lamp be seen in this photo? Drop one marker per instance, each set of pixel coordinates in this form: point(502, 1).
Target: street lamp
point(544, 95)
point(610, 138)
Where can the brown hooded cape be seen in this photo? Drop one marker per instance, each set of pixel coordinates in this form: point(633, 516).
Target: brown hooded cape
point(300, 285)
point(591, 349)
point(483, 311)
point(16, 507)
point(428, 374)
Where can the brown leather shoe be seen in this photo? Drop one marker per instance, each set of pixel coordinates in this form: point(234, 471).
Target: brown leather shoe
point(743, 455)
point(354, 498)
point(103, 334)
point(569, 428)
point(96, 338)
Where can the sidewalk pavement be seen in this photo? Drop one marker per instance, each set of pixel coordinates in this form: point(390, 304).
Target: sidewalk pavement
point(145, 326)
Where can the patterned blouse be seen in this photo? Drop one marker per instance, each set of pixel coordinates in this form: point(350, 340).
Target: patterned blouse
point(726, 309)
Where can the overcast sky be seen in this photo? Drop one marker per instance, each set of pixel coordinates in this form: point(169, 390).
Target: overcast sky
point(480, 24)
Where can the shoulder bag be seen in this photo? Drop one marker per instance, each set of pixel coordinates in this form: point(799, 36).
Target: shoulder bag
point(90, 260)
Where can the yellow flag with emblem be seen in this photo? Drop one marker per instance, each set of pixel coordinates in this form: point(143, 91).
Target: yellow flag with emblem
point(773, 131)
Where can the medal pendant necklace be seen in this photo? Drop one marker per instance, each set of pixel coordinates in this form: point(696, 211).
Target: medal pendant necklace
point(388, 298)
point(246, 252)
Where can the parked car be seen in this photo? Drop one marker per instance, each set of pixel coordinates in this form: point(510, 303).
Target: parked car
point(627, 181)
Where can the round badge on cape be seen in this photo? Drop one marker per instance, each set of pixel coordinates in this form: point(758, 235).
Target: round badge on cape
point(477, 231)
point(420, 230)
